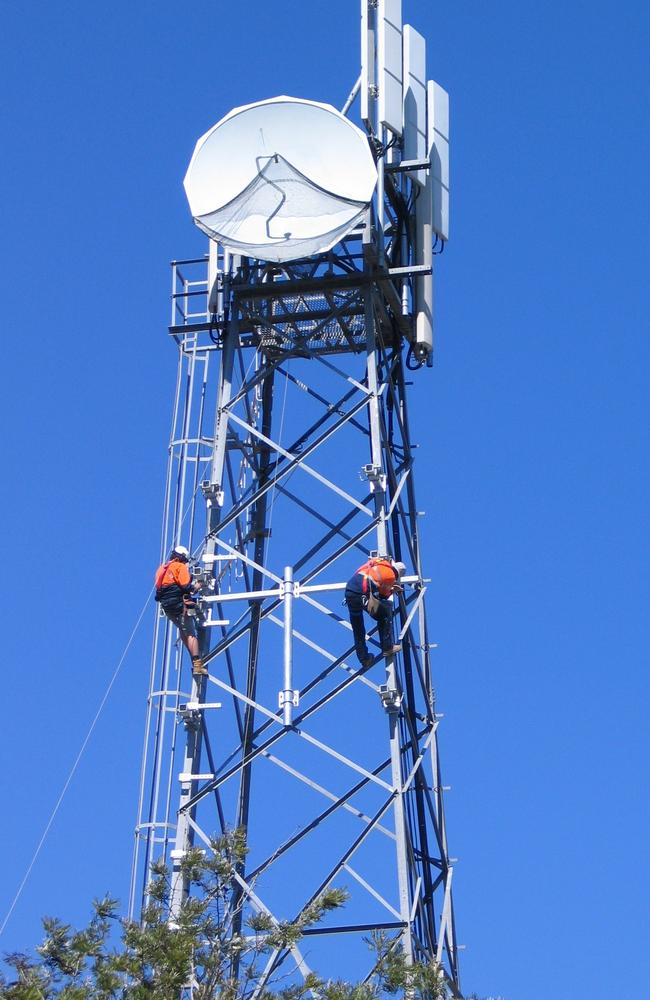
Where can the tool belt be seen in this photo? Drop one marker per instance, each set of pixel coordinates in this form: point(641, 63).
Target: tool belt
point(190, 606)
point(372, 604)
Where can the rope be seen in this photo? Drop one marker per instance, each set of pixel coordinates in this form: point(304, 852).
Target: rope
point(95, 720)
point(74, 766)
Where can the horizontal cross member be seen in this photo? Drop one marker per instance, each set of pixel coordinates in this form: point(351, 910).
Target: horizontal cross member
point(298, 590)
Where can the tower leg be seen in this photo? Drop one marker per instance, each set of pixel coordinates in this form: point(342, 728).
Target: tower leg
point(392, 697)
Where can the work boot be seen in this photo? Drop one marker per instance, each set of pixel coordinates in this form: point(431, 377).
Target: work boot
point(367, 660)
point(397, 648)
point(198, 668)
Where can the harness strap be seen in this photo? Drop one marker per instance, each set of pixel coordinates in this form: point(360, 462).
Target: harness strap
point(165, 568)
point(164, 574)
point(366, 576)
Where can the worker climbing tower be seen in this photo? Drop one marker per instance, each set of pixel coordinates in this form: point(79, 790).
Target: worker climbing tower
point(301, 335)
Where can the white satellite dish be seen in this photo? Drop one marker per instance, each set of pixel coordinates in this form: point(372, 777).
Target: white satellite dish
point(280, 179)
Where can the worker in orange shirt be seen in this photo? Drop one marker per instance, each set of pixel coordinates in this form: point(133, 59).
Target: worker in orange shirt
point(174, 590)
point(370, 589)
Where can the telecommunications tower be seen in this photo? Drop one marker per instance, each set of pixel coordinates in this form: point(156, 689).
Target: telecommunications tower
point(299, 335)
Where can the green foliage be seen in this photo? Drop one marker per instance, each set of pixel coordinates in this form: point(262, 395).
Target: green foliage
point(394, 975)
point(210, 946)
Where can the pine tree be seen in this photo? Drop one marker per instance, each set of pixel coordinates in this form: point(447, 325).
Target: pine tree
point(197, 955)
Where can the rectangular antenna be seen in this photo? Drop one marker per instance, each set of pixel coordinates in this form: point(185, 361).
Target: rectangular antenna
point(389, 64)
point(415, 100)
point(368, 56)
point(438, 140)
point(423, 284)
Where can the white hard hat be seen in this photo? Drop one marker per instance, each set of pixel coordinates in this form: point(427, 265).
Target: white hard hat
point(180, 550)
point(399, 568)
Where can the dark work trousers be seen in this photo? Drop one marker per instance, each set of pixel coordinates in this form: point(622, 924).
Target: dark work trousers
point(354, 601)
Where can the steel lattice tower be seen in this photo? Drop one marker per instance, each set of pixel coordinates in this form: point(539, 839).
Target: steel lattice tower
point(290, 462)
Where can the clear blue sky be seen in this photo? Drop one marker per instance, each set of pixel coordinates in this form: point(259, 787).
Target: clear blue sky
point(533, 423)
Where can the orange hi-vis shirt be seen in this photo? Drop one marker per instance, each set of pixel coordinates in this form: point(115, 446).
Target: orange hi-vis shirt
point(382, 574)
point(173, 572)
